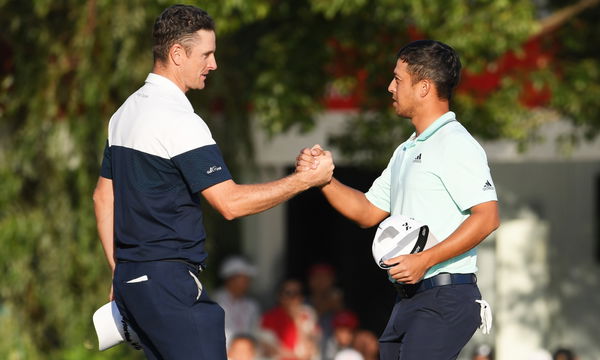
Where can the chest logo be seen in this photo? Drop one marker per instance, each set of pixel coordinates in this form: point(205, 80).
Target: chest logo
point(417, 159)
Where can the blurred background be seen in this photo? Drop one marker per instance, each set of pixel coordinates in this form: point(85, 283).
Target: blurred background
point(293, 73)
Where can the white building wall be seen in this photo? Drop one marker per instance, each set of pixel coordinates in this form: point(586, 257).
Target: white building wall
point(522, 278)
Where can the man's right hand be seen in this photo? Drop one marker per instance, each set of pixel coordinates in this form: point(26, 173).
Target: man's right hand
point(309, 158)
point(315, 165)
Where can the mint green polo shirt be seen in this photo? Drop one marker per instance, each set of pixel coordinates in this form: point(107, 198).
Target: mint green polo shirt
point(436, 178)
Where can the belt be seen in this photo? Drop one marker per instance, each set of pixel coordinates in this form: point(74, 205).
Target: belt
point(198, 268)
point(443, 279)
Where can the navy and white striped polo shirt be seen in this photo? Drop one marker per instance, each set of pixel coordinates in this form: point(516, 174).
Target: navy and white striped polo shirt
point(160, 155)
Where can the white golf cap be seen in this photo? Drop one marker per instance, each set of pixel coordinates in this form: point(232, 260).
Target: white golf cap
point(236, 265)
point(400, 235)
point(348, 354)
point(112, 329)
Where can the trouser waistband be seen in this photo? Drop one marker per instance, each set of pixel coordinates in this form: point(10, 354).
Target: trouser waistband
point(198, 268)
point(443, 279)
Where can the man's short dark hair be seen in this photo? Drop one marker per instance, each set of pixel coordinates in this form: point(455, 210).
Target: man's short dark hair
point(435, 61)
point(244, 336)
point(178, 24)
point(563, 354)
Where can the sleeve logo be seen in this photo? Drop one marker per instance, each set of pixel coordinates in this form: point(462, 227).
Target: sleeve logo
point(213, 169)
point(488, 186)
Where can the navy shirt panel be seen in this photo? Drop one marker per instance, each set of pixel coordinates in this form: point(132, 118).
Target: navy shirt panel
point(106, 169)
point(156, 216)
point(202, 167)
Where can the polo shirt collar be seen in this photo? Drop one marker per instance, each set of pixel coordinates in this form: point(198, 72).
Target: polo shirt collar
point(436, 125)
point(431, 129)
point(169, 86)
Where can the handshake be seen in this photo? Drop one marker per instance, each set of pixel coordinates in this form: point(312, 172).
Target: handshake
point(315, 166)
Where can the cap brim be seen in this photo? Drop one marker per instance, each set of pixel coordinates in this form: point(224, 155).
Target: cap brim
point(109, 327)
point(398, 235)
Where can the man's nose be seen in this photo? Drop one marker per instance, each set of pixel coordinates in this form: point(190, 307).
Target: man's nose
point(391, 87)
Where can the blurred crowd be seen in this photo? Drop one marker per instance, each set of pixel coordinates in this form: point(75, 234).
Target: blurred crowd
point(304, 324)
point(486, 352)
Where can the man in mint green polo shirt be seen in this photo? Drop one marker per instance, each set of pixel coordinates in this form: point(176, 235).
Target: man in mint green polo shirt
point(440, 177)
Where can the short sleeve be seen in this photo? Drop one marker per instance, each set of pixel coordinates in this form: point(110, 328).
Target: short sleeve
point(194, 152)
point(466, 174)
point(202, 167)
point(380, 192)
point(106, 169)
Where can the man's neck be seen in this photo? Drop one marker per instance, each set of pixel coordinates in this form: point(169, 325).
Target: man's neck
point(428, 115)
point(164, 71)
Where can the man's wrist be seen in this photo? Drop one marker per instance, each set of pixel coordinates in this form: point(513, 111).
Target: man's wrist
point(299, 181)
point(325, 185)
point(429, 258)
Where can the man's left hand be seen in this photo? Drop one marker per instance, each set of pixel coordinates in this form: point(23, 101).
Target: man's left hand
point(408, 269)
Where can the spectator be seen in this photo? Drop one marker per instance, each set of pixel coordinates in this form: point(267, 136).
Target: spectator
point(293, 323)
point(242, 313)
point(366, 343)
point(242, 347)
point(344, 325)
point(564, 354)
point(325, 298)
point(323, 295)
point(348, 354)
point(483, 352)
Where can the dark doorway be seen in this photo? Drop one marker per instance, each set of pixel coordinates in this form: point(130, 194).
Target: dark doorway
point(597, 222)
point(317, 233)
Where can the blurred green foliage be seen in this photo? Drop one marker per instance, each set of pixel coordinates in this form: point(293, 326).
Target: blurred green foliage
point(66, 65)
point(519, 74)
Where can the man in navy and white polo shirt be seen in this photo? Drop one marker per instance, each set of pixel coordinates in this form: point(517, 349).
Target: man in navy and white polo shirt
point(440, 177)
point(159, 157)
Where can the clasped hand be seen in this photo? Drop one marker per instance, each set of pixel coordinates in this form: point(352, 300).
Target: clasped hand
point(317, 164)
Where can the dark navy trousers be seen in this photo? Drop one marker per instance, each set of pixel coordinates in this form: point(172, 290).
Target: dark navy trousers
point(432, 325)
point(171, 313)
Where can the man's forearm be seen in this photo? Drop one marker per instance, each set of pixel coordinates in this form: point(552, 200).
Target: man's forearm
point(353, 204)
point(469, 234)
point(233, 200)
point(237, 200)
point(104, 211)
point(104, 223)
point(106, 234)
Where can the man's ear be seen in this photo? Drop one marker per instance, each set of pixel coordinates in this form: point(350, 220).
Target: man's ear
point(425, 87)
point(177, 54)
